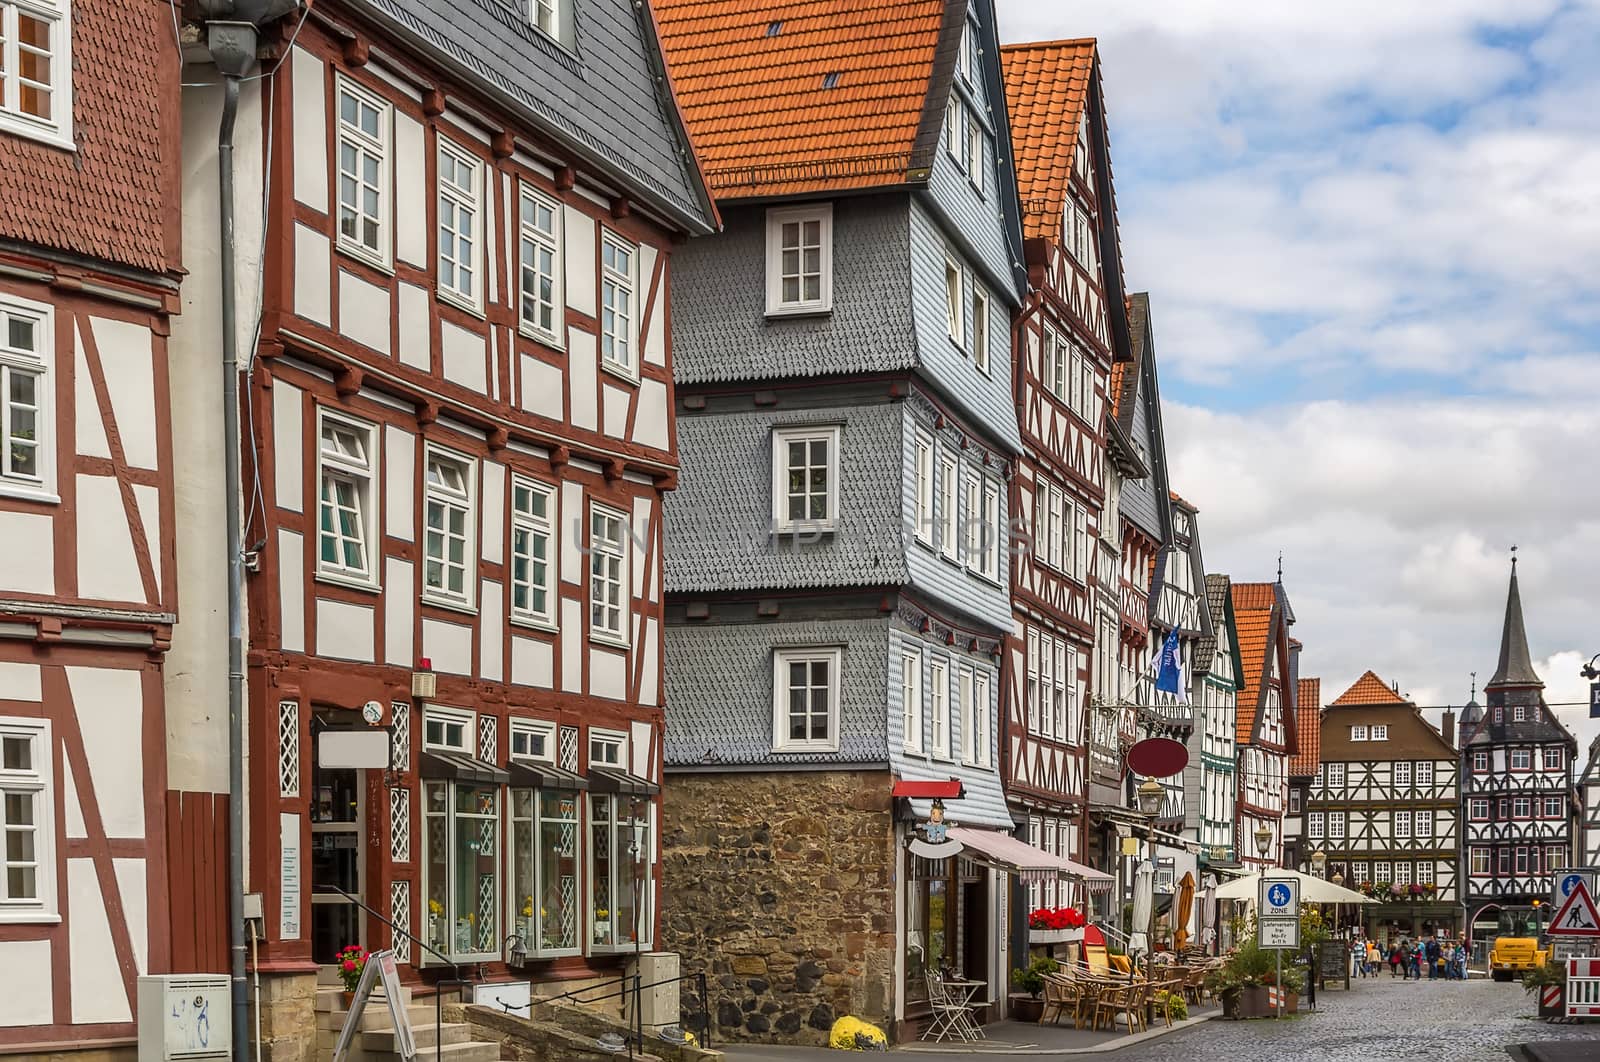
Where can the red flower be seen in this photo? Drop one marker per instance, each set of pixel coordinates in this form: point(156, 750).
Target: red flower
point(1056, 918)
point(350, 966)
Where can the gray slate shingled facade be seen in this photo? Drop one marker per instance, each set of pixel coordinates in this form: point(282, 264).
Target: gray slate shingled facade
point(604, 97)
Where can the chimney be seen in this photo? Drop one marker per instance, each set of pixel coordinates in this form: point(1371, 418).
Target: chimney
point(1447, 727)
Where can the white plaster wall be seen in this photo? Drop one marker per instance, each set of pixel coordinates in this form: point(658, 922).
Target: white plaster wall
point(464, 357)
point(364, 312)
point(494, 511)
point(650, 420)
point(107, 567)
point(27, 564)
point(492, 633)
point(292, 591)
point(639, 749)
point(655, 343)
point(649, 649)
point(345, 631)
point(287, 428)
point(411, 194)
point(89, 428)
point(97, 991)
point(448, 645)
point(196, 667)
point(416, 341)
point(313, 297)
point(19, 682)
point(110, 708)
point(572, 631)
point(616, 410)
point(543, 390)
point(399, 456)
point(28, 998)
point(579, 249)
point(310, 130)
point(130, 874)
point(608, 673)
point(581, 377)
point(127, 360)
point(398, 597)
point(570, 533)
point(639, 544)
point(532, 662)
point(76, 828)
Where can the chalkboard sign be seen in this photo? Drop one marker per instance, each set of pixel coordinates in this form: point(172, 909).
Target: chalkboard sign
point(1334, 964)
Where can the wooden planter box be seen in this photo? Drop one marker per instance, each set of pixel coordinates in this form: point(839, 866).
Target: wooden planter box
point(1026, 1008)
point(1248, 1003)
point(1054, 936)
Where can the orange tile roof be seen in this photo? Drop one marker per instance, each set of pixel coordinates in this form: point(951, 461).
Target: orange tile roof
point(1308, 711)
point(1254, 628)
point(1254, 595)
point(749, 78)
point(1047, 89)
point(1118, 370)
point(1369, 689)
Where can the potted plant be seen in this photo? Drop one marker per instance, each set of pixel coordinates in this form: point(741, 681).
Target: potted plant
point(1055, 925)
point(351, 961)
point(1030, 1007)
point(1243, 980)
point(1541, 977)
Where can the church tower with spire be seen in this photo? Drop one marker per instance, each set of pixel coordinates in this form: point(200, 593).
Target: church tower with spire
point(1519, 806)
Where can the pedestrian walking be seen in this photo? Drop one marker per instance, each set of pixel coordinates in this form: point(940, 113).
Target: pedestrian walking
point(1430, 955)
point(1394, 960)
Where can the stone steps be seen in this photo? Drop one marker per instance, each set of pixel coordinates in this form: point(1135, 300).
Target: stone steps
point(376, 1041)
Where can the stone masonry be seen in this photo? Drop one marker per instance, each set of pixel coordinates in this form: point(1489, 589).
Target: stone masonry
point(780, 887)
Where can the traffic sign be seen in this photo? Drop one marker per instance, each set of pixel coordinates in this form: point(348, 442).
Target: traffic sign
point(1577, 917)
point(1278, 933)
point(1280, 898)
point(1563, 881)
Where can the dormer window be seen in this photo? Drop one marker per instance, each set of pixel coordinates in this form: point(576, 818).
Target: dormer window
point(553, 18)
point(800, 259)
point(36, 70)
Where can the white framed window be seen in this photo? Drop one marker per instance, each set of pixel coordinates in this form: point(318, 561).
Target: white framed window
point(1480, 760)
point(461, 868)
point(977, 152)
point(1380, 732)
point(1519, 714)
point(1358, 732)
point(964, 710)
point(1422, 823)
point(1033, 692)
point(448, 729)
point(1402, 775)
point(608, 748)
point(27, 833)
point(448, 549)
point(460, 244)
point(1424, 873)
point(805, 699)
point(363, 178)
point(1521, 759)
point(1424, 772)
point(553, 18)
point(966, 59)
point(1402, 872)
point(1478, 809)
point(1522, 807)
point(1047, 686)
point(924, 488)
point(347, 473)
point(1335, 776)
point(36, 70)
point(608, 575)
point(1479, 860)
point(545, 898)
point(27, 399)
point(539, 267)
point(953, 114)
point(805, 478)
point(974, 531)
point(533, 551)
point(1336, 822)
point(982, 750)
point(954, 321)
point(533, 739)
point(1552, 807)
point(939, 701)
point(1402, 825)
point(800, 259)
point(980, 327)
point(1382, 870)
point(1552, 757)
point(617, 285)
point(992, 529)
point(1314, 825)
point(1060, 530)
point(622, 854)
point(911, 699)
point(949, 505)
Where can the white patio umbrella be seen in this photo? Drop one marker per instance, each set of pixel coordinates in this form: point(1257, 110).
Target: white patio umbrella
point(1144, 893)
point(1312, 888)
point(1208, 913)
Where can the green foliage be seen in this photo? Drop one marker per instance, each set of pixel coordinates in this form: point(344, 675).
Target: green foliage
point(1250, 965)
point(1313, 930)
point(1551, 973)
point(1031, 980)
point(1173, 1005)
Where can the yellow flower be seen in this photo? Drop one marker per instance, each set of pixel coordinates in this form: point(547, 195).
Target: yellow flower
point(435, 907)
point(843, 1035)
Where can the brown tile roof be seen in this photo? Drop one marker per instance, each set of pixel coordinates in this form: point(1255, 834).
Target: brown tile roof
point(1119, 370)
point(749, 77)
point(1255, 639)
point(1047, 89)
point(1308, 710)
point(1369, 689)
point(1179, 499)
point(114, 197)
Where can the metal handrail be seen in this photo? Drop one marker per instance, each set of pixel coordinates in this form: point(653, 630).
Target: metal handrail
point(438, 996)
point(638, 986)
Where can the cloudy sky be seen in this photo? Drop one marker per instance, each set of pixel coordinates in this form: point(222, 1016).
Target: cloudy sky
point(1371, 234)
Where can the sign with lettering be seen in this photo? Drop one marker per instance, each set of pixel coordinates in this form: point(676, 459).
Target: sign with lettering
point(289, 876)
point(1278, 933)
point(1563, 882)
point(1280, 898)
point(380, 966)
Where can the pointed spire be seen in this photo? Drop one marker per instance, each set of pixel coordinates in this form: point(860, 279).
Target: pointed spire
point(1516, 669)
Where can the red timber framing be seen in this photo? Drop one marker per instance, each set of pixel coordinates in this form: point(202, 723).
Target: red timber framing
point(371, 340)
point(1065, 339)
point(1266, 718)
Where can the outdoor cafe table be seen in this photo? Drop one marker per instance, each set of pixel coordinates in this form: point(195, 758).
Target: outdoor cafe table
point(968, 993)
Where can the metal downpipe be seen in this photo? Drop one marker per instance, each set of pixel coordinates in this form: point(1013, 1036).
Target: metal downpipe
point(232, 479)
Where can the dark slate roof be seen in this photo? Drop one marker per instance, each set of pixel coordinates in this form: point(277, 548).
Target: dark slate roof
point(719, 691)
point(1217, 605)
point(1516, 669)
point(608, 101)
point(718, 519)
point(1145, 501)
point(1472, 713)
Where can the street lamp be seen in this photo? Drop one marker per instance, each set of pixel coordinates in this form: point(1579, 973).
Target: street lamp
point(1263, 840)
point(1319, 862)
point(1150, 795)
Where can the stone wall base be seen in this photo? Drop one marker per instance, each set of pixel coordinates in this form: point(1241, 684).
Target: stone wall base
point(288, 1017)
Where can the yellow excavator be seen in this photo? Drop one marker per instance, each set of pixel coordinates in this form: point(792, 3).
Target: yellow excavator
point(1519, 944)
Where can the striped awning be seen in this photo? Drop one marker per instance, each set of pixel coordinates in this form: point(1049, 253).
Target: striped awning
point(1005, 852)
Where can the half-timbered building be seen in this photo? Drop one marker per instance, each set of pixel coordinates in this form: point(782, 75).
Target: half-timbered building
point(1383, 806)
point(1072, 328)
point(459, 432)
point(838, 596)
point(1518, 804)
point(1589, 801)
point(1302, 769)
point(1265, 734)
point(1209, 779)
point(89, 270)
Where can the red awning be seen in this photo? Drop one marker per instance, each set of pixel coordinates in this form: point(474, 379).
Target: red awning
point(947, 790)
point(1014, 856)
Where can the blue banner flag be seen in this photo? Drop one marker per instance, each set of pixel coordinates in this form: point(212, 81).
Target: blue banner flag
point(1169, 668)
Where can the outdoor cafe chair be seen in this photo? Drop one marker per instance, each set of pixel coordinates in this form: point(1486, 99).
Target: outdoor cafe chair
point(952, 1019)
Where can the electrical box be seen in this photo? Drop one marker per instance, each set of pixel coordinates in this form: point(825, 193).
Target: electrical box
point(658, 996)
point(184, 1018)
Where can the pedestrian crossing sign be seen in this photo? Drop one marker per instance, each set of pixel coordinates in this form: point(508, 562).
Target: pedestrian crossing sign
point(1577, 917)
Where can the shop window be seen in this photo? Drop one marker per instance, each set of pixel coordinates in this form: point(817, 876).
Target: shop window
point(544, 870)
point(621, 855)
point(461, 875)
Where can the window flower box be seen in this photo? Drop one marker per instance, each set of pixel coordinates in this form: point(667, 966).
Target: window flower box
point(1055, 936)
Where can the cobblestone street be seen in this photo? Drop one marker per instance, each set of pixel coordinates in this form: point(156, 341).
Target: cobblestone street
point(1428, 1021)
